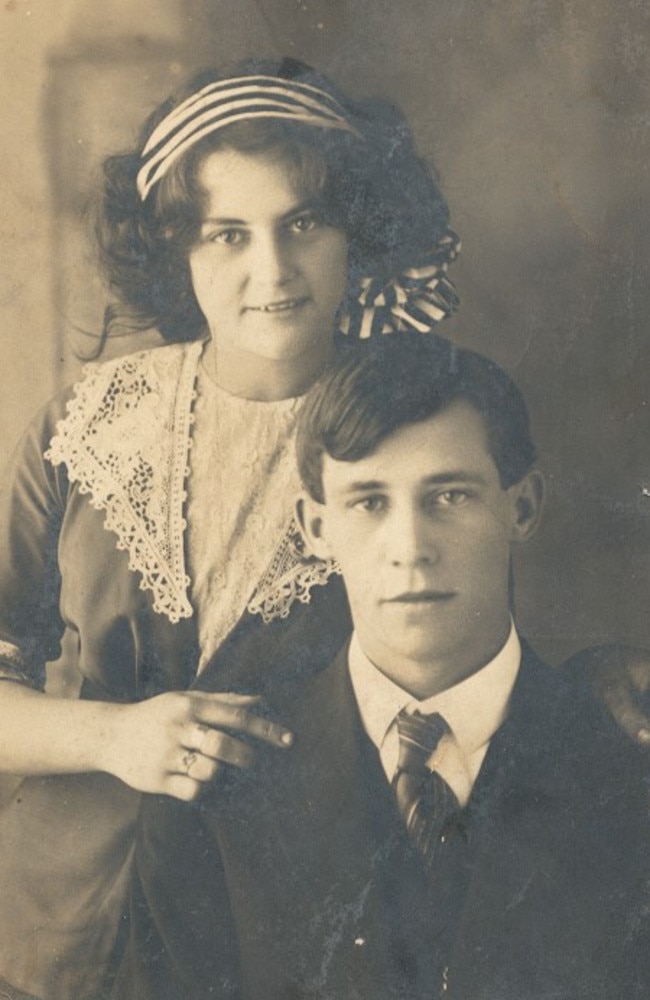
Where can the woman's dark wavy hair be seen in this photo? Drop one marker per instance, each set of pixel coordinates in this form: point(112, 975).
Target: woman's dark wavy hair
point(373, 185)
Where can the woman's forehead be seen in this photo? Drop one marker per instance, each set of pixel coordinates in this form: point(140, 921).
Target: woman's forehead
point(240, 184)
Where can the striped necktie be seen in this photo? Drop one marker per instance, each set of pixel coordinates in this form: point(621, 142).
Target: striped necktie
point(425, 800)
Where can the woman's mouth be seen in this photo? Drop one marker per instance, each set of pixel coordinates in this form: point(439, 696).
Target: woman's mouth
point(284, 306)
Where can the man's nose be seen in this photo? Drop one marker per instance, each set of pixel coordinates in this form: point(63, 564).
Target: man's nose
point(412, 539)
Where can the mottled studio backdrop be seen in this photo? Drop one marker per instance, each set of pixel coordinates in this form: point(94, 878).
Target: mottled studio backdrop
point(537, 115)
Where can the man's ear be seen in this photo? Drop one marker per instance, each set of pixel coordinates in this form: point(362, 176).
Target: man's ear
point(310, 517)
point(528, 498)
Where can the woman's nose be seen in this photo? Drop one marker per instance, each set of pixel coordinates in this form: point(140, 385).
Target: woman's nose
point(272, 262)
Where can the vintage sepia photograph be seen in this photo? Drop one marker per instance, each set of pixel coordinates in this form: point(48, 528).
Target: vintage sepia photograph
point(325, 500)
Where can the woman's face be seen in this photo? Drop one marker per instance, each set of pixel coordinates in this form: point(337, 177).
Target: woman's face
point(268, 272)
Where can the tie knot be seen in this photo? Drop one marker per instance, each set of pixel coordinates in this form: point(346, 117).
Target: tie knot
point(419, 735)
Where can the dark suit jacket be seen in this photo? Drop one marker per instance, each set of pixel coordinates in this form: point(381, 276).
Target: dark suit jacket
point(298, 880)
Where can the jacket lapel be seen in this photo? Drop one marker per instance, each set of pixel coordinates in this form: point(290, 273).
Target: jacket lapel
point(337, 895)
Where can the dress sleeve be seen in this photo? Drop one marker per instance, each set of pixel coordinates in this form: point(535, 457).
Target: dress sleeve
point(32, 502)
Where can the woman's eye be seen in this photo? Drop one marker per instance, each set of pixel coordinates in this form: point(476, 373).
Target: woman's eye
point(227, 237)
point(304, 223)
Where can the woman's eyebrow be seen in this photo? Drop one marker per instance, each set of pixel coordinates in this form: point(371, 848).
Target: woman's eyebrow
point(301, 206)
point(222, 221)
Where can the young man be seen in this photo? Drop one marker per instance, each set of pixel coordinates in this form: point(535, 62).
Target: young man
point(452, 819)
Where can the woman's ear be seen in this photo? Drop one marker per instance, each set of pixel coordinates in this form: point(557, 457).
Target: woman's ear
point(528, 497)
point(310, 517)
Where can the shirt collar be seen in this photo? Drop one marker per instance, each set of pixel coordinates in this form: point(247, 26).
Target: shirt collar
point(474, 708)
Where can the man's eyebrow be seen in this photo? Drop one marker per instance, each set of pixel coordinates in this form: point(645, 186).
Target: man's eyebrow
point(364, 485)
point(302, 206)
point(435, 479)
point(454, 476)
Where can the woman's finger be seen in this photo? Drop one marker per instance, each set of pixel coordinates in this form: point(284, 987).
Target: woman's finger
point(237, 717)
point(226, 697)
point(628, 714)
point(179, 786)
point(197, 767)
point(195, 739)
point(226, 749)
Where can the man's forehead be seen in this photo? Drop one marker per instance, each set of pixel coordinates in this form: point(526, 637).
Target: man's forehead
point(451, 445)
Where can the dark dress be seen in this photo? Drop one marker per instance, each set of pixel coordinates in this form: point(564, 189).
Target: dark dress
point(67, 841)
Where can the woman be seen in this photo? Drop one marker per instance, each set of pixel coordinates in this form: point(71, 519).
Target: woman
point(260, 213)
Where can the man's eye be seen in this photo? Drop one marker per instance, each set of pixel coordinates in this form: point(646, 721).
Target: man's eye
point(450, 498)
point(370, 505)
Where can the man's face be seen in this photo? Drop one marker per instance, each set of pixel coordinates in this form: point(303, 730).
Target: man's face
point(422, 530)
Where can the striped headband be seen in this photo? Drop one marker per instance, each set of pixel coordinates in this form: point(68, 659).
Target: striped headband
point(228, 101)
point(416, 299)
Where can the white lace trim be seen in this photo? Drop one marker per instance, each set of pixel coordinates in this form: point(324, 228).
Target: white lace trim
point(125, 440)
point(289, 577)
point(241, 492)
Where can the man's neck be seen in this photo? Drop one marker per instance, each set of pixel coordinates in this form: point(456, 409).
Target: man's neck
point(425, 678)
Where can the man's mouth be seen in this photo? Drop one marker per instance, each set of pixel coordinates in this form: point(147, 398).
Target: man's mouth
point(284, 306)
point(421, 597)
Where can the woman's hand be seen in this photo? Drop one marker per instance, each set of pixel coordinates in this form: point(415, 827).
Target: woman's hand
point(620, 678)
point(175, 743)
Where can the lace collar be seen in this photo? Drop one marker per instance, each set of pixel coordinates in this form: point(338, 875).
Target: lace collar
point(125, 441)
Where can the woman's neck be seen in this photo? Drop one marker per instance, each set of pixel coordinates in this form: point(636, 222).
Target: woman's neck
point(267, 380)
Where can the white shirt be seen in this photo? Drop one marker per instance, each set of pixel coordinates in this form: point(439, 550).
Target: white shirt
point(473, 709)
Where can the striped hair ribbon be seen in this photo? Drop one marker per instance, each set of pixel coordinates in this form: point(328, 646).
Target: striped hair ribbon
point(225, 102)
point(416, 299)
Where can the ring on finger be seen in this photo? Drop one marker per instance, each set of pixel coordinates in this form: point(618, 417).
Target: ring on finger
point(189, 759)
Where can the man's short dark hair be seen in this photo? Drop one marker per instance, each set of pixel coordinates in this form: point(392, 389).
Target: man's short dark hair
point(373, 389)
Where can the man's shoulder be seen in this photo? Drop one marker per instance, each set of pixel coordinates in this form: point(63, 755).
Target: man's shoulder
point(321, 694)
point(561, 727)
point(320, 710)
